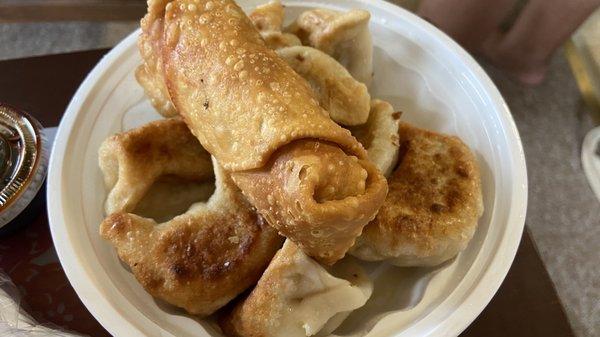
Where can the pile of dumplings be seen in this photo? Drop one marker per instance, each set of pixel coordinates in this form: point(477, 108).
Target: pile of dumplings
point(193, 240)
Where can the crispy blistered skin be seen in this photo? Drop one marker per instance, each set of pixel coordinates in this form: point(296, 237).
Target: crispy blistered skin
point(239, 98)
point(244, 104)
point(201, 259)
point(433, 206)
point(316, 195)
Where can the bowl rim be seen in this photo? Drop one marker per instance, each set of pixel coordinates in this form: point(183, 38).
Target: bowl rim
point(471, 303)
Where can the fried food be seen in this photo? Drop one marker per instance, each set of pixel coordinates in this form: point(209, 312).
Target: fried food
point(317, 194)
point(296, 297)
point(268, 20)
point(346, 99)
point(431, 211)
point(379, 135)
point(133, 161)
point(248, 107)
point(276, 39)
point(268, 17)
point(344, 36)
point(149, 73)
point(196, 202)
point(201, 259)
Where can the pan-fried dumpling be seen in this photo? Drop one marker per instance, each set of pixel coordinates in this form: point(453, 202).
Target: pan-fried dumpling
point(297, 297)
point(433, 205)
point(268, 20)
point(379, 135)
point(344, 36)
point(198, 260)
point(346, 99)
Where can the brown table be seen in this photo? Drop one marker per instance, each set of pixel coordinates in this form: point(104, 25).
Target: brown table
point(525, 305)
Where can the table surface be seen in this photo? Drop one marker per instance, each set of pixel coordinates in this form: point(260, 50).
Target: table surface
point(525, 305)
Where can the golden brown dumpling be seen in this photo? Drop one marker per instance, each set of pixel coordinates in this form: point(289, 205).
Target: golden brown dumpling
point(433, 204)
point(198, 260)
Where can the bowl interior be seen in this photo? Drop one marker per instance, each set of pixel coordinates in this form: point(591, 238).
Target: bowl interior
point(436, 86)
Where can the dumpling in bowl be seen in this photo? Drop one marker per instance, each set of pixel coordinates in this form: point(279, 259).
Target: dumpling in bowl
point(343, 35)
point(268, 20)
point(297, 297)
point(200, 259)
point(379, 135)
point(433, 204)
point(346, 99)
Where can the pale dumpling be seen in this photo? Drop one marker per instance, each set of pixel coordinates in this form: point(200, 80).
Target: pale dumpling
point(297, 297)
point(379, 135)
point(268, 17)
point(346, 99)
point(276, 39)
point(343, 35)
point(268, 20)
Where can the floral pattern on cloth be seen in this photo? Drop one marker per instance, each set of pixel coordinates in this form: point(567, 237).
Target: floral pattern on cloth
point(29, 259)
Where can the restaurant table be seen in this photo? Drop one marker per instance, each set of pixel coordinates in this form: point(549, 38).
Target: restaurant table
point(525, 305)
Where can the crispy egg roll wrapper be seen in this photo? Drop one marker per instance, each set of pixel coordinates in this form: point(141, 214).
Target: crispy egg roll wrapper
point(259, 118)
point(316, 195)
point(239, 98)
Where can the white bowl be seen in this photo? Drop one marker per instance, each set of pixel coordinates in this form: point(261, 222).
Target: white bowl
point(421, 72)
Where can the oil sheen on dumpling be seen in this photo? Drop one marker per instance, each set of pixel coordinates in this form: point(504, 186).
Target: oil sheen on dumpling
point(297, 297)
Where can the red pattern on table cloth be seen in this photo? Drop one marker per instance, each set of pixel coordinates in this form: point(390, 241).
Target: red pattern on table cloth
point(29, 259)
